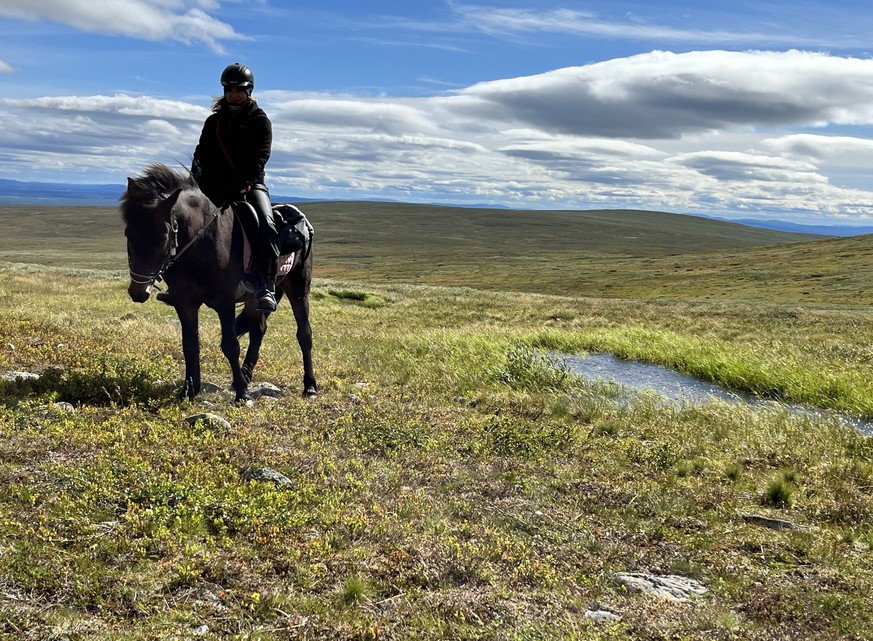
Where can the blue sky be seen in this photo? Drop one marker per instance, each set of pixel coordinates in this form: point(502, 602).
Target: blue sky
point(736, 109)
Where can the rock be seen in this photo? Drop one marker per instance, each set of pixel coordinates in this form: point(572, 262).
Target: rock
point(602, 616)
point(210, 421)
point(210, 388)
point(206, 596)
point(65, 407)
point(768, 522)
point(265, 389)
point(668, 586)
point(268, 474)
point(11, 377)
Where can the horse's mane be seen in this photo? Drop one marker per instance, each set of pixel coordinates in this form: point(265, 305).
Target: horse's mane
point(155, 183)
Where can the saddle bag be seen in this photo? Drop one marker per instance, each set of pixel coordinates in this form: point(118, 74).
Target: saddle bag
point(295, 231)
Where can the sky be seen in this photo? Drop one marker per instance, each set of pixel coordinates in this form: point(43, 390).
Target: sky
point(759, 109)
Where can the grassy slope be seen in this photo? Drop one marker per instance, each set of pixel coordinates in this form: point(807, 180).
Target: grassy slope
point(627, 254)
point(447, 482)
point(599, 253)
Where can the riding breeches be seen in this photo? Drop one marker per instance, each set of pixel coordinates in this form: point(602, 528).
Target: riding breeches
point(259, 198)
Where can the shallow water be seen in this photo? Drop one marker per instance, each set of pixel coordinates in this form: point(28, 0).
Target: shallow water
point(678, 388)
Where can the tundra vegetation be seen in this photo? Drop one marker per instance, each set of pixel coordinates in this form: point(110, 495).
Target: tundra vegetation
point(449, 482)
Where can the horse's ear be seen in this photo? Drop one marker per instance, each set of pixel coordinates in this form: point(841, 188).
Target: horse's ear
point(172, 198)
point(135, 187)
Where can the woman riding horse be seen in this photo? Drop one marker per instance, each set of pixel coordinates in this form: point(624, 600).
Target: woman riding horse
point(228, 164)
point(175, 234)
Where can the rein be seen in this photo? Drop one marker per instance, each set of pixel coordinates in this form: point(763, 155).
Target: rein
point(173, 252)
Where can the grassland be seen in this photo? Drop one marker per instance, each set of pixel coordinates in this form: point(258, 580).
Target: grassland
point(448, 483)
point(618, 254)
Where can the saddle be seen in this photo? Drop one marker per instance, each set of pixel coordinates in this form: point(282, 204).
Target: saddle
point(294, 230)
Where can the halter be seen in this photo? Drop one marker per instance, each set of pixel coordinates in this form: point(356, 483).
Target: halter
point(173, 253)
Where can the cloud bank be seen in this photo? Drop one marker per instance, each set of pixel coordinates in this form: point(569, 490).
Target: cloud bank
point(754, 133)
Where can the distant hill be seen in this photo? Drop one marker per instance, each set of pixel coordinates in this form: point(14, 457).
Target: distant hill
point(826, 230)
point(14, 192)
point(599, 253)
point(799, 228)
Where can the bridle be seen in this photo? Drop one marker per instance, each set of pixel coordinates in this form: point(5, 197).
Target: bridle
point(172, 252)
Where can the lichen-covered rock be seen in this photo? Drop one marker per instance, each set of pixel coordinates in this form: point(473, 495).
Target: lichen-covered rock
point(210, 421)
point(268, 474)
point(667, 586)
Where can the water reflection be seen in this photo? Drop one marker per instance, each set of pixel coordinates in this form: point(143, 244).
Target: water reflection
point(678, 388)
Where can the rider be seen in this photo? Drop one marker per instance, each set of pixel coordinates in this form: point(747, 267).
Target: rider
point(229, 160)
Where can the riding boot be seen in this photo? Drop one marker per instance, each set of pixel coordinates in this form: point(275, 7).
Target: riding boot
point(265, 300)
point(268, 251)
point(265, 297)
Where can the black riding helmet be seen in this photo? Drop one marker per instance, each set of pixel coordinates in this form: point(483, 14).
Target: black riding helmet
point(238, 75)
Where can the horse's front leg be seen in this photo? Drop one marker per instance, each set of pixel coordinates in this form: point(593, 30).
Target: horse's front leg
point(189, 320)
point(231, 351)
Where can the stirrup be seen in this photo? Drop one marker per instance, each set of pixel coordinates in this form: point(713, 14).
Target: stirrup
point(265, 301)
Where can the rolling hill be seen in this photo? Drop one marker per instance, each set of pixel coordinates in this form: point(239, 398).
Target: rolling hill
point(604, 253)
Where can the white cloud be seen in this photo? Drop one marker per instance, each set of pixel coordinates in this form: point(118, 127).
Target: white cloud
point(706, 132)
point(819, 147)
point(747, 167)
point(531, 142)
point(818, 25)
point(5, 67)
point(668, 95)
point(503, 21)
point(389, 116)
point(120, 104)
point(180, 20)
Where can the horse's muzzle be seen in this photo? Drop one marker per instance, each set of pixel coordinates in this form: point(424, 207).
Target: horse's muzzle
point(139, 292)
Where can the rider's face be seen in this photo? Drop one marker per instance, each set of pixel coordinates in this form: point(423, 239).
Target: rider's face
point(235, 95)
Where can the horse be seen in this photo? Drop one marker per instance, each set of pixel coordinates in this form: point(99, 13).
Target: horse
point(176, 234)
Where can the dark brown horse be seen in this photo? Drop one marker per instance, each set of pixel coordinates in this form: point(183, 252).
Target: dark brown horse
point(175, 233)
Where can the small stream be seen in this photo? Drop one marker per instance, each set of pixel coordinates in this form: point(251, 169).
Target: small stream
point(678, 388)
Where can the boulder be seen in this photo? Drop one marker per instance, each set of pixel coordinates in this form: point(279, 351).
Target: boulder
point(667, 586)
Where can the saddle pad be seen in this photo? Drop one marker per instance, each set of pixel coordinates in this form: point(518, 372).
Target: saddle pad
point(283, 264)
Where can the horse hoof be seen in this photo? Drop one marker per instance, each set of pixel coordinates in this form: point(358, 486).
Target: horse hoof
point(185, 395)
point(310, 392)
point(245, 400)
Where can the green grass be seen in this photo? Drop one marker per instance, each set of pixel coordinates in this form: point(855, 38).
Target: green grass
point(448, 482)
point(617, 254)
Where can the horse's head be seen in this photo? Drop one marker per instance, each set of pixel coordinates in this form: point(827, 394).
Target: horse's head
point(150, 226)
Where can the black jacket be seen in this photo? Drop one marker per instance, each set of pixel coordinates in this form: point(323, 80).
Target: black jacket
point(247, 135)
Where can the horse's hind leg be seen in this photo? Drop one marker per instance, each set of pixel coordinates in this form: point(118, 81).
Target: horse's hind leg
point(256, 327)
point(300, 305)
